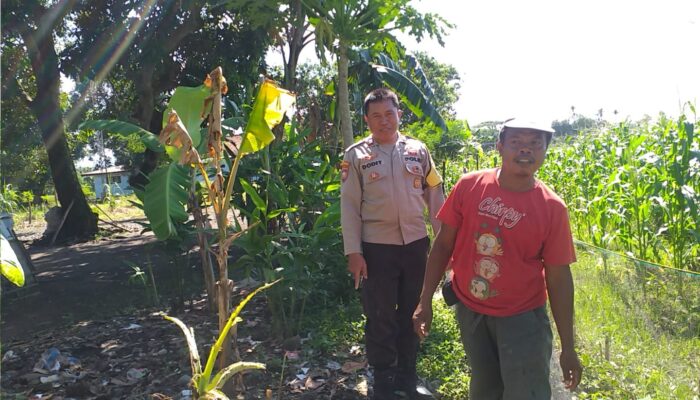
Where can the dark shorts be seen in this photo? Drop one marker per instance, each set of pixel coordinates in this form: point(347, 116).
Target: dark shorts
point(509, 356)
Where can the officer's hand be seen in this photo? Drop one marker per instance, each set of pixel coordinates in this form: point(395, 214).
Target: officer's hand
point(571, 368)
point(357, 267)
point(423, 319)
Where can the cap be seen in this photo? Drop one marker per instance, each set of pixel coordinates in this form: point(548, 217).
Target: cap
point(517, 123)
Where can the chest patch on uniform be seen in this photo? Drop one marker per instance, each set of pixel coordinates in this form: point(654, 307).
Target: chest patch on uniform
point(373, 176)
point(417, 183)
point(371, 164)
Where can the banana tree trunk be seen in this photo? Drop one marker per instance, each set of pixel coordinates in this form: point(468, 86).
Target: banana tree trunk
point(343, 97)
point(207, 268)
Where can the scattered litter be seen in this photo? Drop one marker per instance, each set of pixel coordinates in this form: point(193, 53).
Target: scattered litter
point(132, 327)
point(356, 350)
point(352, 366)
point(49, 379)
point(135, 374)
point(49, 361)
point(333, 365)
point(10, 356)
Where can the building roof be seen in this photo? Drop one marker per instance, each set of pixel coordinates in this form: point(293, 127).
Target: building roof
point(117, 169)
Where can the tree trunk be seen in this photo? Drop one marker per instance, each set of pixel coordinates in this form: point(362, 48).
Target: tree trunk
point(202, 240)
point(343, 97)
point(148, 119)
point(81, 222)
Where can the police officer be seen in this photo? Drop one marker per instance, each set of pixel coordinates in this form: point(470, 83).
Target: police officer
point(387, 181)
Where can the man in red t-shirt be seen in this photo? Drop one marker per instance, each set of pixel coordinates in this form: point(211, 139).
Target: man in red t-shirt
point(508, 239)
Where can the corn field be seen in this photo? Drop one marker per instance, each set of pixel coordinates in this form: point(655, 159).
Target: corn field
point(632, 188)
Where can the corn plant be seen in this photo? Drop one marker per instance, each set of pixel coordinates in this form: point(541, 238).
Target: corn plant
point(206, 384)
point(633, 188)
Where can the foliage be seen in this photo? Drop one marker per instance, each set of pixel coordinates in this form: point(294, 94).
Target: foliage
point(444, 83)
point(407, 79)
point(341, 26)
point(10, 266)
point(637, 329)
point(286, 239)
point(146, 279)
point(633, 188)
point(205, 385)
point(442, 359)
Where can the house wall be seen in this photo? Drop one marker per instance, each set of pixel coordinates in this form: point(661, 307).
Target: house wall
point(119, 185)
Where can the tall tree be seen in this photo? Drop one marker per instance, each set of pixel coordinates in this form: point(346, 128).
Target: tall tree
point(444, 81)
point(35, 24)
point(149, 48)
point(341, 26)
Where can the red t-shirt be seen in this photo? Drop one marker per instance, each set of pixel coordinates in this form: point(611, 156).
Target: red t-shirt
point(504, 239)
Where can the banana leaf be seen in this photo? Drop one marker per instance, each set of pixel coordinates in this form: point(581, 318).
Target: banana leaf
point(411, 95)
point(122, 128)
point(188, 102)
point(165, 198)
point(10, 266)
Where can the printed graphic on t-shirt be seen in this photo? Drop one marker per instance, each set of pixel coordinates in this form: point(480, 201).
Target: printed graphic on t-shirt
point(489, 245)
point(494, 208)
point(487, 268)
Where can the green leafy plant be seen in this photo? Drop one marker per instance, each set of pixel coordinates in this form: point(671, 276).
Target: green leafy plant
point(146, 279)
point(286, 240)
point(166, 195)
point(207, 385)
point(10, 266)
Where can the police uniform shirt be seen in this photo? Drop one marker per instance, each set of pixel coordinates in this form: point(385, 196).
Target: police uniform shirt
point(384, 191)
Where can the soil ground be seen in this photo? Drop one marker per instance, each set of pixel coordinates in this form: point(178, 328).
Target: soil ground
point(111, 343)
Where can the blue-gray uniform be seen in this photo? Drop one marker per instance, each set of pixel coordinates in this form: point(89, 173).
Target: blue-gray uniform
point(385, 189)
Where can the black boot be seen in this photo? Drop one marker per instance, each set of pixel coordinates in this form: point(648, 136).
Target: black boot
point(411, 388)
point(384, 384)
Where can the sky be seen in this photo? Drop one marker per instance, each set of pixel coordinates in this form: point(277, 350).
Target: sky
point(536, 59)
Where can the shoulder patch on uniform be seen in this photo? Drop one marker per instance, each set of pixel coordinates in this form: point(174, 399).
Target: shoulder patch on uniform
point(344, 167)
point(433, 178)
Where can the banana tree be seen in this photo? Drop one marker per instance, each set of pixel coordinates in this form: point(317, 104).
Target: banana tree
point(372, 71)
point(205, 383)
point(166, 195)
point(340, 26)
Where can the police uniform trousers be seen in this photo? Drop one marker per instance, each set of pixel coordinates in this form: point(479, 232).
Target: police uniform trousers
point(389, 298)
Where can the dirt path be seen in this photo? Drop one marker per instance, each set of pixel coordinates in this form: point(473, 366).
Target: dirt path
point(113, 345)
point(81, 281)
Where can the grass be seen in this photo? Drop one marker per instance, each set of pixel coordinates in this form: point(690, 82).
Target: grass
point(638, 331)
point(118, 209)
point(638, 335)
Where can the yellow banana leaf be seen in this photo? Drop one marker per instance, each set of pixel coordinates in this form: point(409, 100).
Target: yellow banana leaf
point(10, 266)
point(268, 109)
